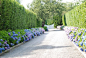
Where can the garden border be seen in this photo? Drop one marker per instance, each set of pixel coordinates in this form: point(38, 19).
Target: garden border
point(15, 46)
point(84, 54)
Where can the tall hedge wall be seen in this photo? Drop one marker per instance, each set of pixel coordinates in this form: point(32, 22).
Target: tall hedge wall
point(77, 16)
point(57, 20)
point(38, 22)
point(15, 16)
point(64, 20)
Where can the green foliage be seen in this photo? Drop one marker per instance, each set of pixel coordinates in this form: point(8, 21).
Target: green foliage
point(64, 20)
point(49, 21)
point(18, 1)
point(4, 35)
point(46, 9)
point(38, 22)
point(45, 28)
point(15, 16)
point(77, 16)
point(62, 27)
point(57, 20)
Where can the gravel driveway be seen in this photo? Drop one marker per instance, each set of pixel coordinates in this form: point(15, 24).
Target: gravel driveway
point(52, 44)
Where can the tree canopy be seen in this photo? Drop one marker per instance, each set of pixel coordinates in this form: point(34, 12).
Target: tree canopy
point(46, 9)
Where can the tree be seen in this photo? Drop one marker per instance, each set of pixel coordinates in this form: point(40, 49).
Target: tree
point(18, 1)
point(46, 9)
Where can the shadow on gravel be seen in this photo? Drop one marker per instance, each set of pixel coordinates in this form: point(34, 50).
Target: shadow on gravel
point(49, 47)
point(42, 47)
point(56, 30)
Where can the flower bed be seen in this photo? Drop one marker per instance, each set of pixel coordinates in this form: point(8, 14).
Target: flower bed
point(78, 36)
point(11, 38)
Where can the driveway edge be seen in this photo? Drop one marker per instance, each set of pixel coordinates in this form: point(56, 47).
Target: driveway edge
point(13, 47)
point(80, 50)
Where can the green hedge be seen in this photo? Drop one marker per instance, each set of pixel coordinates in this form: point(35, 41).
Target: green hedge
point(64, 20)
point(77, 16)
point(57, 20)
point(49, 21)
point(38, 22)
point(15, 16)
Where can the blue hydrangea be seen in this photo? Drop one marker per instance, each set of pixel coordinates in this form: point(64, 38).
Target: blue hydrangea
point(11, 36)
point(13, 32)
point(15, 35)
point(85, 43)
point(16, 38)
point(81, 49)
point(85, 50)
point(1, 39)
point(7, 45)
point(81, 43)
point(0, 44)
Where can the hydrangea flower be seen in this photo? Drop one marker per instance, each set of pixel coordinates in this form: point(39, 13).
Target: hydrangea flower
point(16, 38)
point(7, 45)
point(18, 32)
point(0, 44)
point(81, 49)
point(81, 43)
point(2, 49)
point(5, 42)
point(85, 43)
point(85, 50)
point(17, 42)
point(9, 34)
point(1, 39)
point(13, 32)
point(6, 48)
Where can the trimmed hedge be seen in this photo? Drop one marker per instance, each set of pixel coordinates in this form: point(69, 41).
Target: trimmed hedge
point(57, 21)
point(77, 16)
point(38, 22)
point(64, 20)
point(15, 16)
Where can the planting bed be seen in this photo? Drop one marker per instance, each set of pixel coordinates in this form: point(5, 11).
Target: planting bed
point(78, 36)
point(10, 39)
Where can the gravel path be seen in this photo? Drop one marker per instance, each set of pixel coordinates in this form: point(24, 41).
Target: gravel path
point(52, 44)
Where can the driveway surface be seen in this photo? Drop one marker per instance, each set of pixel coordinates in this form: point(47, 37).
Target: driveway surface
point(52, 44)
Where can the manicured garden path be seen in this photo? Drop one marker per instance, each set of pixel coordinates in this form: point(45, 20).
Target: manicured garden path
point(52, 44)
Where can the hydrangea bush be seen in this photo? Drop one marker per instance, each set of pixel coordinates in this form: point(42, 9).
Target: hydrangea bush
point(11, 38)
point(78, 36)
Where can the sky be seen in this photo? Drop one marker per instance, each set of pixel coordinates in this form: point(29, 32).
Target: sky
point(68, 0)
point(25, 2)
